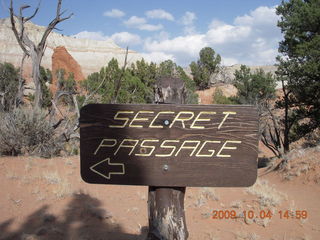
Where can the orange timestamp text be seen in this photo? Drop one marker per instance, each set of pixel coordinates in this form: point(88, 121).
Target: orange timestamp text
point(262, 214)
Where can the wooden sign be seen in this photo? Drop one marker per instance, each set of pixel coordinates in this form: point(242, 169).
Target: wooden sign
point(169, 145)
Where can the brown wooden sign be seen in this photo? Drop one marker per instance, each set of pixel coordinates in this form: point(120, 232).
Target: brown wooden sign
point(169, 145)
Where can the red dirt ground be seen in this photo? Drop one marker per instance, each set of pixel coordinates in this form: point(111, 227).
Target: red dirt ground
point(46, 199)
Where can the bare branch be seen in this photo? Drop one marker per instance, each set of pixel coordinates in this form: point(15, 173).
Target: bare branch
point(75, 102)
point(35, 13)
point(15, 31)
point(95, 91)
point(22, 8)
point(19, 98)
point(118, 81)
point(53, 23)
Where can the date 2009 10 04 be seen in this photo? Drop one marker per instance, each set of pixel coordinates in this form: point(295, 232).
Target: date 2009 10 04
point(262, 214)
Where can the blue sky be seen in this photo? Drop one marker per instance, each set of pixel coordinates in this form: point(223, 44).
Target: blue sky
point(240, 31)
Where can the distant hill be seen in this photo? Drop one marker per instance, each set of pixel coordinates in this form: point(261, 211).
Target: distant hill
point(90, 54)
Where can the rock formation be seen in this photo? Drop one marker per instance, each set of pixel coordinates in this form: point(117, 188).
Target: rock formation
point(61, 59)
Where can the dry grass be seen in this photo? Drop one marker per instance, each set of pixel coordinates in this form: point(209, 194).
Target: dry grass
point(68, 162)
point(268, 196)
point(15, 201)
point(205, 194)
point(247, 236)
point(12, 175)
point(36, 190)
point(301, 162)
point(141, 196)
point(211, 236)
point(52, 177)
point(29, 164)
point(236, 204)
point(63, 189)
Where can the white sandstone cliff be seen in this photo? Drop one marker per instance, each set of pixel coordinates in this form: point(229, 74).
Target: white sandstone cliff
point(90, 54)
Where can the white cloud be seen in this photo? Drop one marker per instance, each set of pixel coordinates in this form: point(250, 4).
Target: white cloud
point(122, 39)
point(216, 23)
point(252, 39)
point(159, 14)
point(114, 13)
point(259, 16)
point(186, 44)
point(150, 27)
point(135, 21)
point(188, 18)
point(227, 34)
point(141, 23)
point(188, 21)
point(157, 57)
point(126, 39)
point(183, 48)
point(91, 35)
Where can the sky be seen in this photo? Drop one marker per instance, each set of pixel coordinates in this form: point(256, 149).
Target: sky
point(242, 32)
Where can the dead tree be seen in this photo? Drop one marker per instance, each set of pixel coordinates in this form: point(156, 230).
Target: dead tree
point(117, 82)
point(31, 49)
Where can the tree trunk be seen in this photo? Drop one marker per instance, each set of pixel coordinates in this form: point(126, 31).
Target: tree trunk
point(36, 61)
point(286, 143)
point(286, 140)
point(20, 94)
point(166, 214)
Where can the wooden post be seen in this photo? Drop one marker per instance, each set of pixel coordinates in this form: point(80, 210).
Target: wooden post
point(166, 204)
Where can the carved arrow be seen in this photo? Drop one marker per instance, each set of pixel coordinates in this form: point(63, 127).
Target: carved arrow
point(106, 168)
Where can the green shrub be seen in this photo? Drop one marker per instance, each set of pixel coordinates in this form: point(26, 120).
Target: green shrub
point(26, 131)
point(9, 81)
point(219, 98)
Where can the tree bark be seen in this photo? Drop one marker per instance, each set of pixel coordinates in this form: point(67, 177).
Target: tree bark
point(36, 61)
point(286, 140)
point(166, 214)
point(166, 204)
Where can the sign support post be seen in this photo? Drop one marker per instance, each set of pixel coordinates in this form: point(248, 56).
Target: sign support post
point(166, 213)
point(166, 204)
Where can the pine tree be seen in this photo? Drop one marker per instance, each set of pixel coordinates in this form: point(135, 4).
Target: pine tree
point(299, 67)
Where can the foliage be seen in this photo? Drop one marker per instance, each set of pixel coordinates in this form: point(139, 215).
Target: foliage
point(254, 88)
point(45, 78)
point(9, 81)
point(136, 85)
point(203, 69)
point(258, 88)
point(147, 73)
point(299, 66)
point(27, 131)
point(66, 86)
point(137, 82)
point(219, 98)
point(168, 68)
